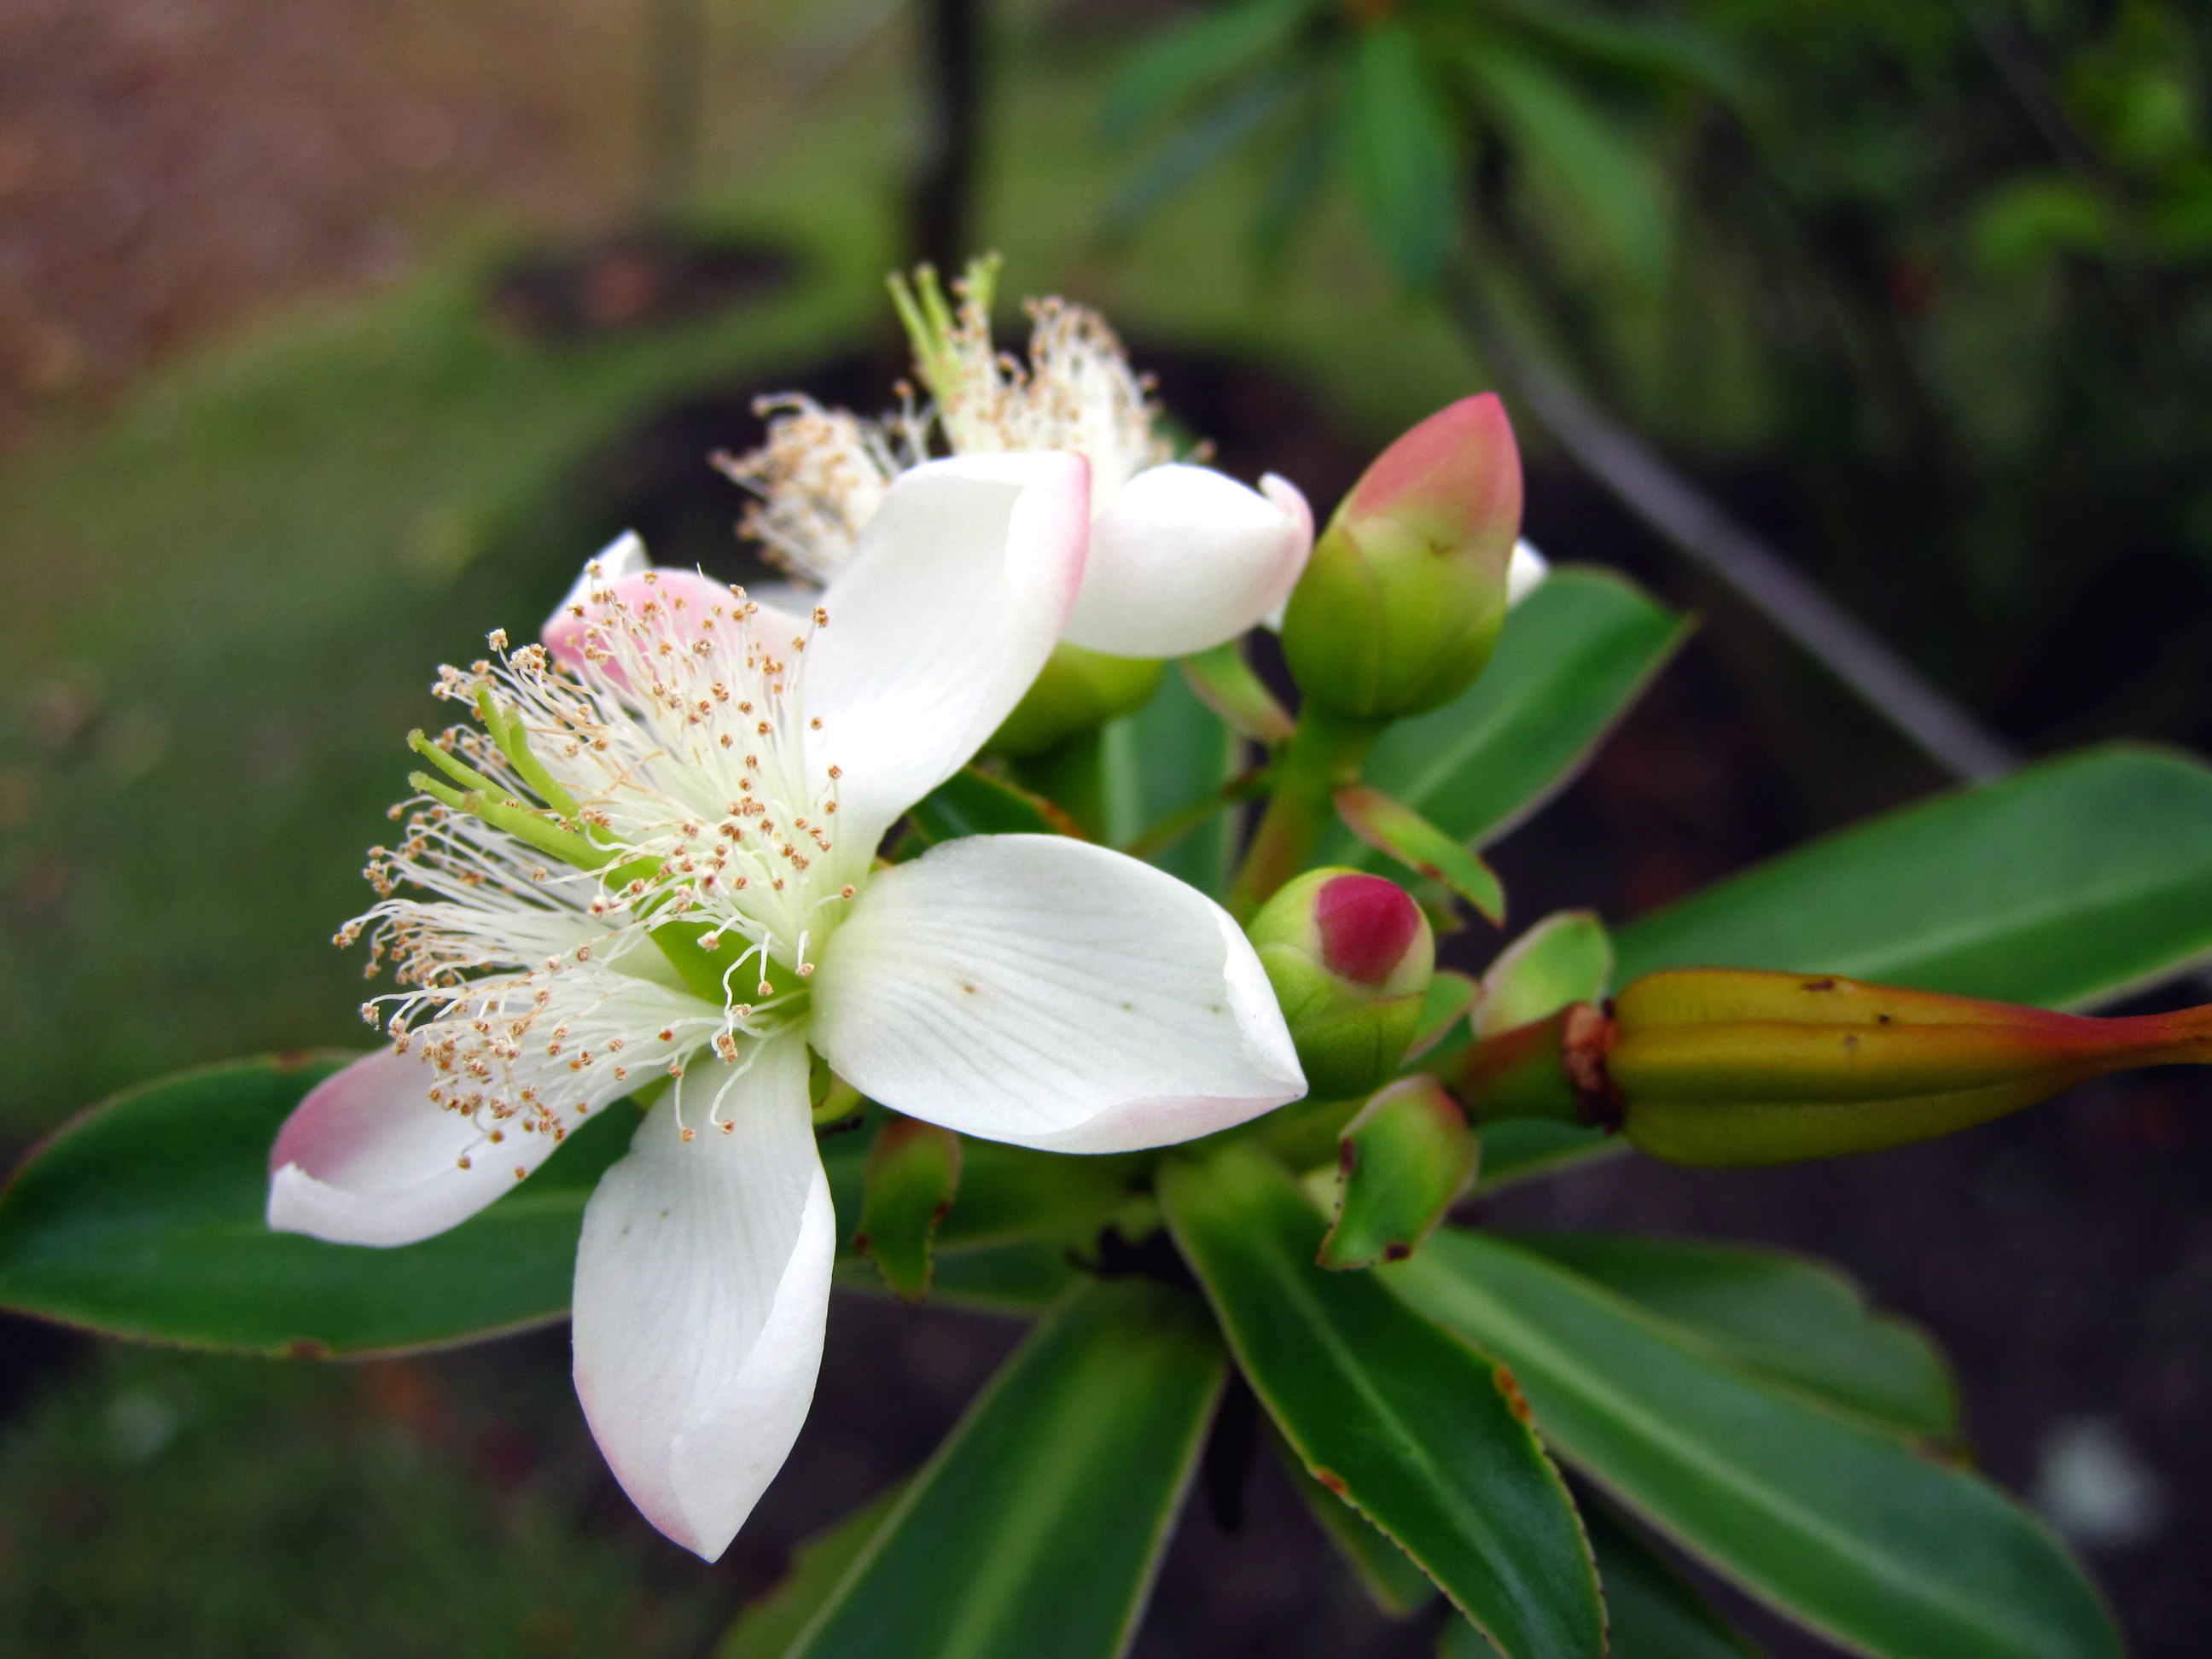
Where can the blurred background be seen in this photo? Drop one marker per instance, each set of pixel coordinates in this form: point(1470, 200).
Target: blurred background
point(333, 335)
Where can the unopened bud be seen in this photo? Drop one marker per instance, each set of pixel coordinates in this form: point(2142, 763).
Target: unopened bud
point(1079, 691)
point(1401, 601)
point(1732, 1067)
point(1350, 956)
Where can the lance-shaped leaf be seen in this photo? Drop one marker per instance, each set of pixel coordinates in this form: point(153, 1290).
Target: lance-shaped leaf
point(1226, 682)
point(1037, 1526)
point(1401, 150)
point(1451, 997)
point(1787, 1318)
point(1566, 957)
point(1837, 1524)
point(1651, 1612)
point(145, 1218)
point(913, 1173)
point(1574, 657)
point(1392, 1581)
point(1411, 839)
point(771, 1623)
point(973, 802)
point(1424, 1436)
point(1400, 1164)
point(2065, 885)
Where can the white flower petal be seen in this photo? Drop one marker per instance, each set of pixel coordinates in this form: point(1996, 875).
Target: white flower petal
point(954, 597)
point(1047, 992)
point(1184, 557)
point(368, 1158)
point(622, 558)
point(1525, 573)
point(703, 1286)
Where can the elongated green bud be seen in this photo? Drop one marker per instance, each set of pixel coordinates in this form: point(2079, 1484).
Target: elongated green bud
point(1404, 595)
point(1350, 956)
point(1732, 1067)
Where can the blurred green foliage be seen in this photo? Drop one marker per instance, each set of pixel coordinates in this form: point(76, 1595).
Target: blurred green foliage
point(206, 1508)
point(1927, 282)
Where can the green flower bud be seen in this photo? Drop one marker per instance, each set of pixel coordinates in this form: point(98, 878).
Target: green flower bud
point(1079, 691)
point(1401, 601)
point(1350, 956)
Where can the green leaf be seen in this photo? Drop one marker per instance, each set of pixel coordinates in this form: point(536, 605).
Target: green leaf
point(1423, 1435)
point(1021, 1277)
point(1219, 45)
point(1839, 1526)
point(1521, 1147)
point(1619, 193)
point(2066, 885)
point(1170, 758)
point(1444, 1008)
point(1037, 1526)
point(1650, 1610)
point(1401, 1162)
point(1400, 149)
point(1227, 683)
point(1786, 1318)
point(1575, 655)
point(1391, 1581)
point(913, 1173)
point(973, 802)
point(770, 1623)
point(1564, 958)
point(1394, 828)
point(143, 1218)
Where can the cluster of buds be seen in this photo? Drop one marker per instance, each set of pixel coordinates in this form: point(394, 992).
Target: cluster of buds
point(1740, 1066)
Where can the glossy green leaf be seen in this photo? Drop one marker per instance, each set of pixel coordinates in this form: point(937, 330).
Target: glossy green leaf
point(1836, 1524)
point(1450, 998)
point(1037, 1526)
point(2065, 884)
point(1401, 1162)
point(1390, 1579)
point(1021, 1277)
point(973, 802)
point(143, 1218)
point(1167, 762)
point(1564, 958)
point(1521, 1147)
point(1787, 1318)
point(1651, 1612)
point(771, 1623)
point(1423, 1435)
point(912, 1173)
point(1399, 144)
point(1395, 829)
point(1574, 655)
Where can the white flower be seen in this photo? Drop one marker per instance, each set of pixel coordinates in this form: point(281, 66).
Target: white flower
point(1182, 557)
point(729, 772)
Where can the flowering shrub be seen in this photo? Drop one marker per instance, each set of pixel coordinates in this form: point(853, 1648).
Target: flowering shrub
point(819, 881)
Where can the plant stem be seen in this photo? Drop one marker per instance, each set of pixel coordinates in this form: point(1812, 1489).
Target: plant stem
point(1321, 756)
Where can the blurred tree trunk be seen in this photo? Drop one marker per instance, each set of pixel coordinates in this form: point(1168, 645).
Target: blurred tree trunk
point(941, 207)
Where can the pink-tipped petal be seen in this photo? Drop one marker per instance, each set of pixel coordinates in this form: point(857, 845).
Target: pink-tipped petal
point(1184, 557)
point(1456, 478)
point(1048, 991)
point(621, 575)
point(702, 1288)
point(956, 595)
point(368, 1158)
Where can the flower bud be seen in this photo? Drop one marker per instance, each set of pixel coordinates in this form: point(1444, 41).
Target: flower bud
point(1079, 691)
point(1403, 597)
point(1732, 1067)
point(1350, 956)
